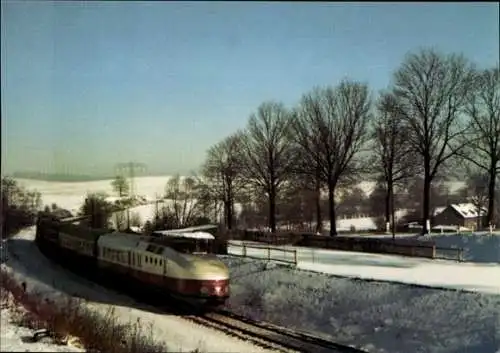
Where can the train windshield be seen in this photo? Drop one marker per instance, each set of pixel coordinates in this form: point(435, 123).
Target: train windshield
point(193, 246)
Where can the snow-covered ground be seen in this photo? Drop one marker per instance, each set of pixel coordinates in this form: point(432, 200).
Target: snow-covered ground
point(372, 315)
point(478, 277)
point(14, 338)
point(376, 316)
point(179, 335)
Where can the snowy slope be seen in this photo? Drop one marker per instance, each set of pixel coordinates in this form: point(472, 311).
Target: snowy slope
point(376, 316)
point(180, 335)
point(435, 273)
point(12, 338)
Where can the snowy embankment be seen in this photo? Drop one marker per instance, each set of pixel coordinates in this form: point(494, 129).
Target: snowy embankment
point(28, 264)
point(16, 339)
point(375, 316)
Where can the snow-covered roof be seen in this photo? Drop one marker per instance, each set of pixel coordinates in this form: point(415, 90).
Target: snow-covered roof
point(467, 210)
point(195, 228)
point(438, 210)
point(181, 234)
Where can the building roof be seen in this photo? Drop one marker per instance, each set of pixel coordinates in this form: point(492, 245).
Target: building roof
point(180, 234)
point(438, 210)
point(467, 210)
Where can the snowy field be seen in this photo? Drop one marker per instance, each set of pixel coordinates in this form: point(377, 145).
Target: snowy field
point(375, 316)
point(479, 277)
point(27, 263)
point(71, 195)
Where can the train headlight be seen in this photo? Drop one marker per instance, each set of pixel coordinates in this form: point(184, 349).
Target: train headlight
point(205, 290)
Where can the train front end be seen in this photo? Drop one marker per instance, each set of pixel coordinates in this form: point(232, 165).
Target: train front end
point(212, 277)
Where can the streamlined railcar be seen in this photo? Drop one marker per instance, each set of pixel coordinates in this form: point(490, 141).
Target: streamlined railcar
point(179, 262)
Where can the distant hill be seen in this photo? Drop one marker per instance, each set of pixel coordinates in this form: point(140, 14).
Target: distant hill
point(59, 177)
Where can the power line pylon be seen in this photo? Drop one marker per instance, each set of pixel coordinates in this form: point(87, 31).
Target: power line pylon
point(131, 168)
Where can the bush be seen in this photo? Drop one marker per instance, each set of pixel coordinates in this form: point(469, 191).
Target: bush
point(19, 207)
point(70, 320)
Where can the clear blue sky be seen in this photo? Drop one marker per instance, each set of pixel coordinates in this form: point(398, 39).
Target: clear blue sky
point(87, 85)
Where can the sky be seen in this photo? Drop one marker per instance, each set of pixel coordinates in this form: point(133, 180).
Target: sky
point(86, 85)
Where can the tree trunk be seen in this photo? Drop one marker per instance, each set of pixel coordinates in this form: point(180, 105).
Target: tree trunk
point(317, 196)
point(272, 209)
point(388, 203)
point(229, 213)
point(331, 204)
point(490, 216)
point(393, 212)
point(427, 202)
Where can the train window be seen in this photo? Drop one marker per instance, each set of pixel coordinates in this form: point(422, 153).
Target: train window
point(156, 261)
point(161, 262)
point(145, 259)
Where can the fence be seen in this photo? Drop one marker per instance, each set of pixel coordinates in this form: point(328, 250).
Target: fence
point(266, 253)
point(450, 254)
point(399, 246)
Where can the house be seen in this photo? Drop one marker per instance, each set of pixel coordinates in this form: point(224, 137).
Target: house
point(462, 214)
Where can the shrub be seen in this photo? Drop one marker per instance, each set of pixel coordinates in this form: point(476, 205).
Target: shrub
point(70, 318)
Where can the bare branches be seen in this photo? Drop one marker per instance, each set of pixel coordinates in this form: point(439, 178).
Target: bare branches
point(393, 159)
point(432, 91)
point(483, 139)
point(330, 127)
point(223, 168)
point(267, 151)
point(391, 147)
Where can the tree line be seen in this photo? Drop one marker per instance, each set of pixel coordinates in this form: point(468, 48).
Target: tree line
point(439, 117)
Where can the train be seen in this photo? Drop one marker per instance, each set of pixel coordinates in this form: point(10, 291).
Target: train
point(178, 263)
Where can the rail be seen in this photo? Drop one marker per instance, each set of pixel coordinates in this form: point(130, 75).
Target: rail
point(268, 335)
point(265, 252)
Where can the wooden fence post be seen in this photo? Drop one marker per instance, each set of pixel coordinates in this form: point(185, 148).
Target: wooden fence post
point(295, 257)
point(244, 250)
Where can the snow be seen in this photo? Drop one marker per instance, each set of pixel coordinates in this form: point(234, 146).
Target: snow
point(392, 268)
point(372, 315)
point(382, 303)
point(362, 223)
point(28, 264)
point(180, 234)
point(14, 338)
point(467, 210)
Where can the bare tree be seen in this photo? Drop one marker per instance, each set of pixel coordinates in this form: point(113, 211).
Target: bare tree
point(483, 139)
point(182, 195)
point(222, 169)
point(330, 127)
point(267, 152)
point(431, 91)
point(393, 160)
point(308, 173)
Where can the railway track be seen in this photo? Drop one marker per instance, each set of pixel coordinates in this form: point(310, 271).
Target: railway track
point(263, 334)
point(268, 335)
